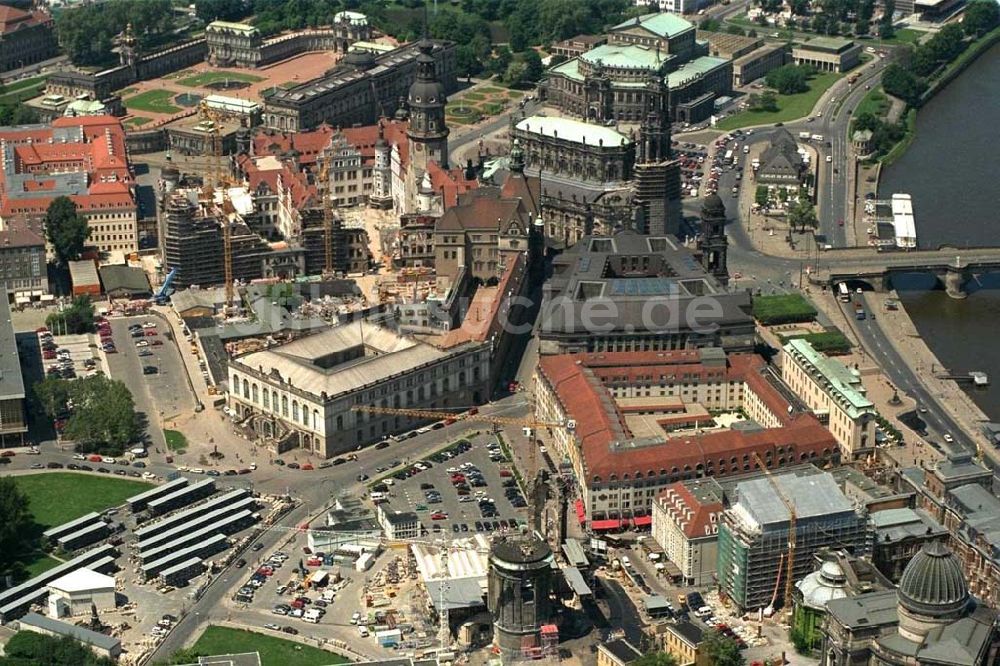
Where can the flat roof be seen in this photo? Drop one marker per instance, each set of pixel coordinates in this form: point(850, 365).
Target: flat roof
point(828, 44)
point(43, 578)
point(156, 491)
point(456, 593)
point(576, 582)
point(11, 381)
point(180, 492)
point(902, 216)
point(693, 69)
point(814, 496)
point(158, 565)
point(71, 526)
point(81, 634)
point(177, 568)
point(573, 550)
point(573, 130)
point(206, 531)
point(83, 531)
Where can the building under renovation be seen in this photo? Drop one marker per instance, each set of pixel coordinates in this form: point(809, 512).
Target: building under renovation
point(194, 243)
point(520, 586)
point(754, 535)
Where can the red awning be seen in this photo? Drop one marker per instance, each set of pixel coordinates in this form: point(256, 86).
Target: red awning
point(642, 521)
point(581, 513)
point(613, 524)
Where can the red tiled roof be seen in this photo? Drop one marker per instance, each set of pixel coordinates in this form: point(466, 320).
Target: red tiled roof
point(519, 186)
point(579, 382)
point(692, 516)
point(101, 155)
point(12, 18)
point(450, 184)
point(364, 138)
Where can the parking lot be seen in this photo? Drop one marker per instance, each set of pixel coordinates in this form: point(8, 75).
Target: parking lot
point(467, 488)
point(160, 392)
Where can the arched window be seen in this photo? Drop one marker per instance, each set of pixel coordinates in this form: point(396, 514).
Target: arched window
point(274, 400)
point(246, 389)
point(284, 405)
point(267, 399)
point(236, 384)
point(295, 410)
point(315, 418)
point(253, 390)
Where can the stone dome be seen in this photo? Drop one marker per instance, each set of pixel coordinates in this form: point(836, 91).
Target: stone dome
point(824, 585)
point(712, 206)
point(932, 583)
point(360, 59)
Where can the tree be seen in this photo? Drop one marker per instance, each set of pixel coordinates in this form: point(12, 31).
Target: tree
point(710, 25)
point(721, 650)
point(802, 214)
point(86, 33)
point(981, 16)
point(900, 82)
point(76, 319)
point(768, 101)
point(15, 519)
point(65, 229)
point(735, 30)
point(103, 419)
point(27, 648)
point(800, 7)
point(762, 196)
point(533, 66)
point(514, 76)
point(557, 59)
point(788, 79)
point(656, 659)
point(886, 30)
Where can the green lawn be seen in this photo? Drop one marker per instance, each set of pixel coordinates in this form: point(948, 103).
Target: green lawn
point(176, 441)
point(204, 78)
point(157, 101)
point(905, 36)
point(58, 498)
point(782, 309)
point(137, 121)
point(874, 102)
point(273, 651)
point(790, 107)
point(829, 342)
point(24, 83)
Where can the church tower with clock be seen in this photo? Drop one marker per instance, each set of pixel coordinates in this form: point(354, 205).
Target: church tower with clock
point(427, 133)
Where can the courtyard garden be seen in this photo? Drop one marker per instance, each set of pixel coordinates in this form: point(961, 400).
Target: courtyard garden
point(207, 79)
point(476, 104)
point(154, 101)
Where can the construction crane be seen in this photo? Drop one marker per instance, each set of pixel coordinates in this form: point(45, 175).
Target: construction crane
point(219, 179)
point(440, 415)
point(323, 187)
point(792, 538)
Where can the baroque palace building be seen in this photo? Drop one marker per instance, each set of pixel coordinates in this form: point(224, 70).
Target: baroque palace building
point(645, 60)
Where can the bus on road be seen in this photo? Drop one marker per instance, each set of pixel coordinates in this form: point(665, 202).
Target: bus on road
point(844, 292)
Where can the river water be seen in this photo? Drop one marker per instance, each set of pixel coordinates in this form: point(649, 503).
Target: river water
point(951, 170)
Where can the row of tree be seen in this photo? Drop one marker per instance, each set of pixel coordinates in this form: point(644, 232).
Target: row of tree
point(103, 419)
point(28, 648)
point(908, 78)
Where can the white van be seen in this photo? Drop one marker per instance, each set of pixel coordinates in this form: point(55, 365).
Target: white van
point(363, 631)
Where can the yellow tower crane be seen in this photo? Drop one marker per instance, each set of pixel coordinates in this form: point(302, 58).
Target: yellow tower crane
point(440, 415)
point(218, 178)
point(792, 538)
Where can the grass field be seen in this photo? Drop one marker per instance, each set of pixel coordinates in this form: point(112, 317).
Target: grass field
point(874, 102)
point(157, 101)
point(790, 107)
point(204, 78)
point(137, 121)
point(273, 651)
point(905, 36)
point(782, 309)
point(60, 497)
point(18, 91)
point(176, 441)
